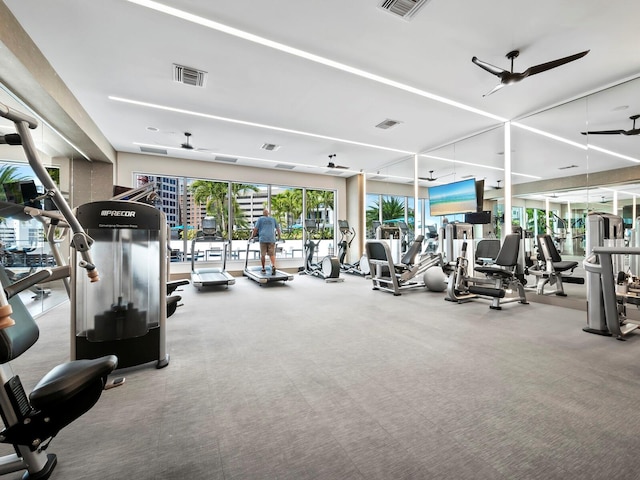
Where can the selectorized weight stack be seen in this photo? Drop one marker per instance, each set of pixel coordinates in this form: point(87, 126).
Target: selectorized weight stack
point(125, 313)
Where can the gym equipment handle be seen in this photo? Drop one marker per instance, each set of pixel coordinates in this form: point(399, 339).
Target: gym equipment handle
point(17, 117)
point(27, 282)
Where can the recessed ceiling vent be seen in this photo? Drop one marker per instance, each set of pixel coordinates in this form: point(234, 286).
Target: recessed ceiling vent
point(271, 147)
point(189, 76)
point(567, 167)
point(154, 151)
point(284, 166)
point(387, 124)
point(226, 159)
point(402, 8)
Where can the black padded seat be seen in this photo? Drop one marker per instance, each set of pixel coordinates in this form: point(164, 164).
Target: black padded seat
point(564, 265)
point(409, 258)
point(506, 260)
point(487, 249)
point(556, 260)
point(66, 380)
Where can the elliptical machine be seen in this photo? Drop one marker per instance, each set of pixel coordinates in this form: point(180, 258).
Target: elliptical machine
point(328, 268)
point(347, 235)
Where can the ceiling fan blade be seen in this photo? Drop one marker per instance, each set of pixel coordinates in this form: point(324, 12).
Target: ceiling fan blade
point(495, 89)
point(606, 132)
point(333, 165)
point(488, 67)
point(635, 131)
point(543, 67)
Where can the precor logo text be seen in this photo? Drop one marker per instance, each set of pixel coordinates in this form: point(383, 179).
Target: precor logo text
point(118, 213)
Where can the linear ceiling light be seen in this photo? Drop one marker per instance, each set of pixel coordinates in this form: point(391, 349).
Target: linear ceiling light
point(549, 135)
point(575, 144)
point(205, 22)
point(479, 165)
point(252, 124)
point(613, 154)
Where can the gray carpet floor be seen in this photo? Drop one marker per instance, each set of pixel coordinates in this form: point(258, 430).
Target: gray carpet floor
point(336, 381)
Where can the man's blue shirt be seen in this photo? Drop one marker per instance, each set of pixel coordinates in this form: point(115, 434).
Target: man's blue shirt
point(266, 229)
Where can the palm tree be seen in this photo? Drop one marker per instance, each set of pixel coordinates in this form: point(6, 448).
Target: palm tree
point(9, 174)
point(287, 206)
point(392, 207)
point(213, 195)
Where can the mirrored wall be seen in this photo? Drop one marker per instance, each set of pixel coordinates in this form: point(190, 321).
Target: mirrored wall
point(27, 244)
point(577, 157)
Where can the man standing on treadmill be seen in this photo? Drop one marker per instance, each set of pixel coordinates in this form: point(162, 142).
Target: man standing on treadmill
point(266, 229)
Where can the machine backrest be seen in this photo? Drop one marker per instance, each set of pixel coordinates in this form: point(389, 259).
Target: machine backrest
point(487, 248)
point(508, 255)
point(550, 248)
point(16, 340)
point(376, 251)
point(409, 258)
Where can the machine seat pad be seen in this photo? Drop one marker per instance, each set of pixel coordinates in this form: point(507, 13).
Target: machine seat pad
point(68, 379)
point(487, 291)
point(494, 270)
point(173, 299)
point(564, 266)
point(174, 284)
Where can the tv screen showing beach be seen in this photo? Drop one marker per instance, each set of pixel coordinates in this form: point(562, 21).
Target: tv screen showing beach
point(452, 198)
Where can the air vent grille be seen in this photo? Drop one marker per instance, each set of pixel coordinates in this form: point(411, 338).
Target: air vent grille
point(226, 159)
point(155, 151)
point(387, 124)
point(567, 167)
point(271, 147)
point(284, 166)
point(189, 76)
point(402, 8)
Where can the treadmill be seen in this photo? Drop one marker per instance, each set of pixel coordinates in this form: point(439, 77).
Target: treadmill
point(210, 276)
point(254, 272)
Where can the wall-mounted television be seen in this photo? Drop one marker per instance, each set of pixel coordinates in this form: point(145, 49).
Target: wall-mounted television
point(480, 195)
point(453, 198)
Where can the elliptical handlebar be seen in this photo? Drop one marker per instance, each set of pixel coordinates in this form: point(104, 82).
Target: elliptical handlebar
point(17, 117)
point(79, 240)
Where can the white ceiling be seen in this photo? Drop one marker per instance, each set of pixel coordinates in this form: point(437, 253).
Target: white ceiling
point(118, 48)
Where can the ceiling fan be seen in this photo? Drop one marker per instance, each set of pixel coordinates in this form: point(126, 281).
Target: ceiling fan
point(633, 131)
point(509, 77)
point(431, 178)
point(331, 164)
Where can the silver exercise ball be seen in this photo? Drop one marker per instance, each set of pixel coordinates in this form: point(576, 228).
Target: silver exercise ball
point(435, 279)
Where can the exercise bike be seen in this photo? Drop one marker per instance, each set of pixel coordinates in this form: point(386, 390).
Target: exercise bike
point(328, 268)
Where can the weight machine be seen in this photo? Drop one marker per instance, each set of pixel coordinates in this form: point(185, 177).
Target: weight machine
point(500, 277)
point(68, 390)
